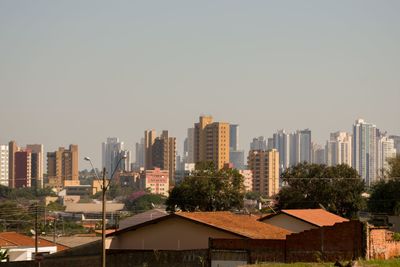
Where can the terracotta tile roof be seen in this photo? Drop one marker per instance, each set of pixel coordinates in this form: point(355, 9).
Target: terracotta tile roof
point(13, 239)
point(244, 225)
point(318, 217)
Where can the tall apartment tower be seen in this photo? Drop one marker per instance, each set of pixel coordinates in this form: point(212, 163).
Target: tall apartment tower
point(37, 164)
point(317, 154)
point(302, 146)
point(149, 137)
point(211, 141)
point(62, 166)
point(265, 168)
point(188, 147)
point(139, 151)
point(236, 156)
point(4, 165)
point(364, 150)
point(12, 149)
point(22, 167)
point(396, 140)
point(338, 150)
point(385, 151)
point(281, 142)
point(163, 154)
point(258, 143)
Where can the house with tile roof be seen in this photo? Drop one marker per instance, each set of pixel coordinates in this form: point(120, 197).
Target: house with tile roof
point(192, 230)
point(22, 248)
point(299, 220)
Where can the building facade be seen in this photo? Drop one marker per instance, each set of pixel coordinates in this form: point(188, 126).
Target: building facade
point(22, 167)
point(37, 164)
point(265, 169)
point(258, 143)
point(212, 141)
point(338, 149)
point(156, 181)
point(62, 166)
point(112, 152)
point(385, 151)
point(4, 165)
point(281, 142)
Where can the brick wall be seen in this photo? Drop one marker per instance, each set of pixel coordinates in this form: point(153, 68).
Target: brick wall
point(381, 244)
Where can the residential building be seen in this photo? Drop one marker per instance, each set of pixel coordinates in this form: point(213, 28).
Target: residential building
point(37, 153)
point(156, 181)
point(396, 140)
point(212, 141)
point(364, 150)
point(234, 137)
point(300, 220)
point(112, 151)
point(338, 149)
point(62, 166)
point(258, 143)
point(22, 167)
point(385, 151)
point(247, 179)
point(301, 147)
point(317, 154)
point(192, 230)
point(12, 148)
point(188, 147)
point(281, 142)
point(237, 159)
point(265, 168)
point(4, 165)
point(139, 156)
point(149, 138)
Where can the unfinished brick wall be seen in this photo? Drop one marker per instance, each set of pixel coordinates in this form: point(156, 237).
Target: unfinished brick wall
point(381, 244)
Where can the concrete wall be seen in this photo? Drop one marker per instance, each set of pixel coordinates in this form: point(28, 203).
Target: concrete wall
point(288, 222)
point(381, 244)
point(170, 234)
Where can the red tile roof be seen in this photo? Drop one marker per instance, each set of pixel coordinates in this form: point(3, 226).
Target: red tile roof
point(317, 217)
point(244, 225)
point(13, 239)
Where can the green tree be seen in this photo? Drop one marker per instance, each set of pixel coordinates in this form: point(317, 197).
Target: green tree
point(385, 194)
point(142, 201)
point(337, 188)
point(208, 189)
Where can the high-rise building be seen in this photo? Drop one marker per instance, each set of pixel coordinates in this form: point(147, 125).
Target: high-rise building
point(125, 164)
point(62, 166)
point(37, 154)
point(234, 137)
point(364, 150)
point(237, 159)
point(163, 154)
point(139, 154)
point(317, 154)
point(156, 181)
point(302, 146)
point(22, 167)
point(338, 150)
point(385, 151)
point(4, 165)
point(212, 141)
point(188, 147)
point(265, 168)
point(281, 142)
point(258, 143)
point(396, 140)
point(12, 149)
point(111, 154)
point(149, 137)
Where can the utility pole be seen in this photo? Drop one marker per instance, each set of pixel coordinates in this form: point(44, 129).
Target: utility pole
point(103, 226)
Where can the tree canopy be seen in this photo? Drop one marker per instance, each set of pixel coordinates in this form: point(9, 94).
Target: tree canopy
point(385, 195)
point(141, 201)
point(309, 186)
point(208, 189)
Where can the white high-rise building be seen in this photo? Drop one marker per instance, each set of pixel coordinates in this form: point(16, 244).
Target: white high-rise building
point(338, 149)
point(385, 151)
point(139, 154)
point(188, 147)
point(4, 165)
point(364, 150)
point(317, 154)
point(301, 147)
point(281, 142)
point(111, 153)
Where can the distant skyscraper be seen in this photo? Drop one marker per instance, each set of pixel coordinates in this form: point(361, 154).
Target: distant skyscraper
point(258, 143)
point(37, 154)
point(62, 166)
point(234, 137)
point(338, 150)
point(302, 146)
point(270, 143)
point(12, 149)
point(317, 154)
point(125, 164)
point(163, 154)
point(237, 159)
point(385, 151)
point(149, 137)
point(22, 169)
point(4, 165)
point(111, 153)
point(265, 169)
point(211, 141)
point(281, 142)
point(396, 140)
point(364, 150)
point(139, 154)
point(188, 147)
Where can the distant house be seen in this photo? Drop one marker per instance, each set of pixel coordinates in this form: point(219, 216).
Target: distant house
point(22, 248)
point(192, 230)
point(299, 220)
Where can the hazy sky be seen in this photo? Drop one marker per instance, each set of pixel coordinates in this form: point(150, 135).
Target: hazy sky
point(80, 71)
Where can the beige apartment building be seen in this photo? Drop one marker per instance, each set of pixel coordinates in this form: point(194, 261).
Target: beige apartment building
point(62, 166)
point(211, 141)
point(265, 168)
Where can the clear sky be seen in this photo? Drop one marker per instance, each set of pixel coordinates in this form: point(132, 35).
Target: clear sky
point(80, 71)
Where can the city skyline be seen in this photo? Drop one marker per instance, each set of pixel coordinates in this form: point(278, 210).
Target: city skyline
point(117, 69)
